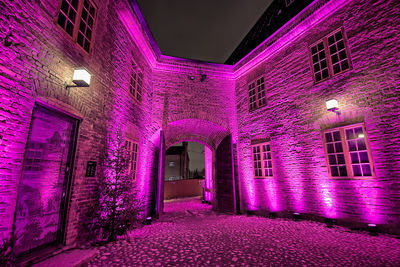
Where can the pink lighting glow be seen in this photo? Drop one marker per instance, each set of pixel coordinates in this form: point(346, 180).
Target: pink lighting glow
point(209, 170)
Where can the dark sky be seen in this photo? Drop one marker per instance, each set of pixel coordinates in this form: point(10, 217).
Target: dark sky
point(207, 30)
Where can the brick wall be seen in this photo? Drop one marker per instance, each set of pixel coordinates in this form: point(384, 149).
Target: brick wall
point(41, 59)
point(34, 69)
point(296, 113)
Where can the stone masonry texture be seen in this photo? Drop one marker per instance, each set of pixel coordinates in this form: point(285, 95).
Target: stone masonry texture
point(177, 102)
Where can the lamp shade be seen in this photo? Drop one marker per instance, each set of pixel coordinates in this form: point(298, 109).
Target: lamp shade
point(81, 77)
point(332, 105)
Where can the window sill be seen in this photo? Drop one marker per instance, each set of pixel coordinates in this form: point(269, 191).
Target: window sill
point(353, 178)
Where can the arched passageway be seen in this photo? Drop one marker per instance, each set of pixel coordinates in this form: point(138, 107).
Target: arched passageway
point(220, 186)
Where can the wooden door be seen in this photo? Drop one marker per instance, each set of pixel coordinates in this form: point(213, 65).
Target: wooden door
point(44, 187)
point(225, 183)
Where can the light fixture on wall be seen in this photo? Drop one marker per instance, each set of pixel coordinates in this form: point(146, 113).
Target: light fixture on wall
point(333, 106)
point(81, 78)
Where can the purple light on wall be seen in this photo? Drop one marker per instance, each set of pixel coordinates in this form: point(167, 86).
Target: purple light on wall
point(368, 194)
point(208, 180)
point(272, 195)
point(324, 186)
point(246, 177)
point(290, 169)
point(260, 56)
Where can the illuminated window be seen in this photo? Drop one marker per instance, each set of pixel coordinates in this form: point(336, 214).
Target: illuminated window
point(136, 82)
point(347, 152)
point(262, 160)
point(257, 94)
point(77, 18)
point(330, 56)
point(132, 153)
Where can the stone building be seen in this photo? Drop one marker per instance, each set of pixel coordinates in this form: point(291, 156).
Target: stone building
point(271, 144)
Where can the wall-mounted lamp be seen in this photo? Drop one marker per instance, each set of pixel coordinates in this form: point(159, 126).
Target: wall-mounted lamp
point(81, 78)
point(333, 106)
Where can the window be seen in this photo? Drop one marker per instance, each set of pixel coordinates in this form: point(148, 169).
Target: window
point(347, 152)
point(257, 94)
point(136, 83)
point(132, 152)
point(330, 56)
point(262, 160)
point(288, 2)
point(77, 18)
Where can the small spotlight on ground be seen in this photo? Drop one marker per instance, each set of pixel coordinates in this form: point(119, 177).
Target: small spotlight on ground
point(148, 220)
point(372, 229)
point(296, 216)
point(329, 222)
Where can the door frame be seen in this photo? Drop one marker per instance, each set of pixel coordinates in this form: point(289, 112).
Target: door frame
point(65, 199)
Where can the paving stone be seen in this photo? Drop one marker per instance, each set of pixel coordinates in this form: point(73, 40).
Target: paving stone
point(181, 239)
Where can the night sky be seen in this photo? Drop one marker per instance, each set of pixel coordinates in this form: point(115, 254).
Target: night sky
point(207, 30)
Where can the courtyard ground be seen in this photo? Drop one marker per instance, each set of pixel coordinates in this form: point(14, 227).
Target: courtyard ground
point(190, 234)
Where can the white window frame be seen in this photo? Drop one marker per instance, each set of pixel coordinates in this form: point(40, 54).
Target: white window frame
point(132, 150)
point(77, 22)
point(264, 152)
point(136, 81)
point(328, 55)
point(259, 87)
point(347, 153)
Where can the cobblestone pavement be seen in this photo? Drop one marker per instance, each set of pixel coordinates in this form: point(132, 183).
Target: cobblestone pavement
point(190, 234)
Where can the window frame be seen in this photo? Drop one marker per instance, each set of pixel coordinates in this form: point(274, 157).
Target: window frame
point(138, 71)
point(257, 106)
point(260, 144)
point(78, 18)
point(346, 152)
point(328, 55)
point(130, 151)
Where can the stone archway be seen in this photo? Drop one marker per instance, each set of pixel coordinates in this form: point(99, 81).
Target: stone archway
point(197, 130)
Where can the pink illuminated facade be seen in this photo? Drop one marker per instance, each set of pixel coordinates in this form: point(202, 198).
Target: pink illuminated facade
point(287, 112)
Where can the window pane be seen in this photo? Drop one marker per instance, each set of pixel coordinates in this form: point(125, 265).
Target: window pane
point(354, 157)
point(350, 134)
point(314, 50)
point(338, 147)
point(61, 20)
point(336, 136)
point(338, 35)
point(366, 170)
point(334, 171)
point(357, 170)
point(361, 144)
point(343, 171)
point(328, 137)
point(332, 159)
point(345, 65)
point(352, 145)
point(364, 157)
point(331, 148)
point(340, 159)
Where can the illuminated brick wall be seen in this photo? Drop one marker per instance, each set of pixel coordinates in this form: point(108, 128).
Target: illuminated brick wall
point(35, 67)
point(295, 114)
point(41, 59)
